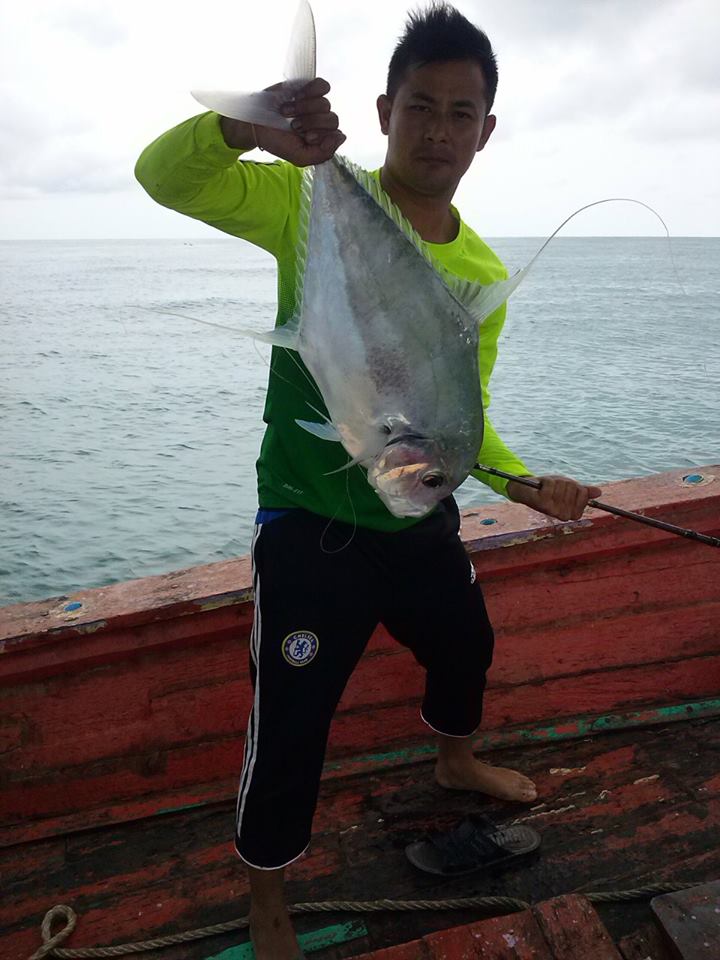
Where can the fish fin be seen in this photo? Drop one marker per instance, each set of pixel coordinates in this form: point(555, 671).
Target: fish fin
point(346, 466)
point(300, 60)
point(303, 233)
point(372, 186)
point(241, 331)
point(325, 431)
point(286, 336)
point(263, 106)
point(480, 300)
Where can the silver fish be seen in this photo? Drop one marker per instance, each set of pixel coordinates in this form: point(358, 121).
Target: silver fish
point(390, 340)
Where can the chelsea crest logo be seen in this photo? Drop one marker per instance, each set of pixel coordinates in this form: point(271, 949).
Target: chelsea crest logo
point(300, 647)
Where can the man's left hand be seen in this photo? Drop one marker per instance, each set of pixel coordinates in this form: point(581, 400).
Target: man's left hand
point(558, 497)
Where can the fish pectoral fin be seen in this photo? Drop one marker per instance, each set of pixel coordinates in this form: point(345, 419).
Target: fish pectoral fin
point(325, 431)
point(287, 336)
point(480, 300)
point(263, 107)
point(346, 466)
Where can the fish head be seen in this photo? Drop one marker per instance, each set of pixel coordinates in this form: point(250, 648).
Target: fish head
point(412, 474)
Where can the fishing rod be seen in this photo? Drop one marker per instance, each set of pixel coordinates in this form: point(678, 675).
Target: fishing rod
point(628, 514)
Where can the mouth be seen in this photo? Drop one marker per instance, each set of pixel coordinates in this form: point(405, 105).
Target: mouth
point(434, 159)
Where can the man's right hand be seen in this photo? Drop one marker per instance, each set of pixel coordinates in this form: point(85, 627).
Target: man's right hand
point(314, 136)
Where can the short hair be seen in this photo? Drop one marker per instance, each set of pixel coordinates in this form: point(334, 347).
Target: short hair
point(437, 34)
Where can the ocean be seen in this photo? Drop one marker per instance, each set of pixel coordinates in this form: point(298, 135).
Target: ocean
point(130, 433)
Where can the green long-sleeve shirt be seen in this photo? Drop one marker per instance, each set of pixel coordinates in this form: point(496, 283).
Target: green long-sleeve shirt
point(191, 169)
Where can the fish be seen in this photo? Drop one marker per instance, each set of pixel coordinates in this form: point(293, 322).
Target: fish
point(389, 337)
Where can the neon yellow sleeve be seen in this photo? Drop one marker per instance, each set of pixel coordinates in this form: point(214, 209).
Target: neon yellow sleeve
point(191, 169)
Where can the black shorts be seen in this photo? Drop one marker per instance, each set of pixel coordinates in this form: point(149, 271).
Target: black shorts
point(321, 588)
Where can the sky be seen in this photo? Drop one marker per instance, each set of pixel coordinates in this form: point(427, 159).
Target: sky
point(597, 98)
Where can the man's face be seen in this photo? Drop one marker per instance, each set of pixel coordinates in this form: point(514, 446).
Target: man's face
point(435, 124)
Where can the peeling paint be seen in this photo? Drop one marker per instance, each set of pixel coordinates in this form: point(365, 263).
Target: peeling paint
point(217, 602)
point(547, 813)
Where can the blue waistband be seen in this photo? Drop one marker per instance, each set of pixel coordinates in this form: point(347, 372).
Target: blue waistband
point(267, 516)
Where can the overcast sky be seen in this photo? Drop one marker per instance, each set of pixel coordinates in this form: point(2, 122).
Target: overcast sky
point(597, 98)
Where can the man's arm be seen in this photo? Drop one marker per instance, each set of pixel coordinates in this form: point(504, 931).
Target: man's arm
point(194, 167)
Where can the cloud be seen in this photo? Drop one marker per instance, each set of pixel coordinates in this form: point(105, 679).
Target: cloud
point(590, 92)
point(91, 25)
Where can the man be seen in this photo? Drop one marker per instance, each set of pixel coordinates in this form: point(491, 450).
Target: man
point(329, 560)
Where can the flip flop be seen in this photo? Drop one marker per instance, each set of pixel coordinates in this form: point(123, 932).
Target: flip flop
point(474, 844)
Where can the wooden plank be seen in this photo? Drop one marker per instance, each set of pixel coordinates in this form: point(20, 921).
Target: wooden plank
point(514, 937)
point(613, 811)
point(645, 944)
point(573, 930)
point(691, 920)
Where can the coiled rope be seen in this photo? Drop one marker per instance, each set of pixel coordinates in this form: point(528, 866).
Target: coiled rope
point(50, 947)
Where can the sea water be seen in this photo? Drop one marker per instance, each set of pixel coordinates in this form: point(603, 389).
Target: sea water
point(129, 433)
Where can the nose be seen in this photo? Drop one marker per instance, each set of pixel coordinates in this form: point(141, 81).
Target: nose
point(436, 129)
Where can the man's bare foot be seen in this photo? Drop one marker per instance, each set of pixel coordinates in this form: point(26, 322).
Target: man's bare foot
point(273, 937)
point(469, 773)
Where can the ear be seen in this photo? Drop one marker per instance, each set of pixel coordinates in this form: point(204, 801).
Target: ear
point(384, 108)
point(488, 127)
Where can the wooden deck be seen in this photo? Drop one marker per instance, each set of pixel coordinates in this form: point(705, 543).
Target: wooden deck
point(615, 811)
point(122, 715)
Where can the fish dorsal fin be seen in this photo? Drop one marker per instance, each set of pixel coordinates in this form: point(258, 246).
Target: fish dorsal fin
point(478, 299)
point(303, 232)
point(372, 186)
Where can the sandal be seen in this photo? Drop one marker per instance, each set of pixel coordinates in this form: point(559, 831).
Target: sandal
point(473, 845)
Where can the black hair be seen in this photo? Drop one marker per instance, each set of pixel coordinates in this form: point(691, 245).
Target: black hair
point(437, 34)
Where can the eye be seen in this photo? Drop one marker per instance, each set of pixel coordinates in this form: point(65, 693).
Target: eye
point(433, 480)
point(384, 428)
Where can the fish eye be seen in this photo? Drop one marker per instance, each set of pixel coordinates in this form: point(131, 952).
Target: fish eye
point(433, 480)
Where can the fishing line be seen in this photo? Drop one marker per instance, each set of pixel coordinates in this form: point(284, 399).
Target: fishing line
point(596, 203)
point(348, 497)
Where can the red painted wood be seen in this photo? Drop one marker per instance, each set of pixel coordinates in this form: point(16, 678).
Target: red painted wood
point(415, 950)
point(566, 928)
point(573, 930)
point(179, 872)
point(515, 937)
point(141, 702)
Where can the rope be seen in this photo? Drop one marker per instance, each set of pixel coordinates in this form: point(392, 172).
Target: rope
point(50, 947)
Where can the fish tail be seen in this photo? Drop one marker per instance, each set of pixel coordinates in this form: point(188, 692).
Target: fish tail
point(263, 106)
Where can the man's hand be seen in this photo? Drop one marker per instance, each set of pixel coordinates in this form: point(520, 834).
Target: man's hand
point(314, 137)
point(558, 497)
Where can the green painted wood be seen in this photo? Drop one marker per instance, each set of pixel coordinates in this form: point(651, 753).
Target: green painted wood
point(569, 730)
point(309, 942)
